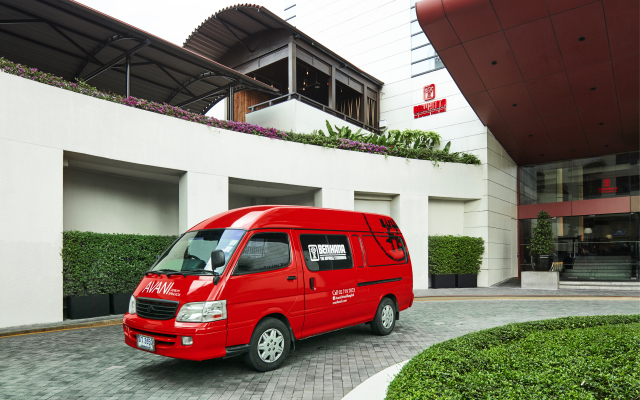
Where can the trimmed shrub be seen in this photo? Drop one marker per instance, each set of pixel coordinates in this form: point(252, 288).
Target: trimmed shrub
point(542, 238)
point(564, 358)
point(103, 263)
point(449, 254)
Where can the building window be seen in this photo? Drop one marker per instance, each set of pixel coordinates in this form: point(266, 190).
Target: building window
point(424, 58)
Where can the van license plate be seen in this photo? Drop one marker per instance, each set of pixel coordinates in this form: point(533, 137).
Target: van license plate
point(146, 343)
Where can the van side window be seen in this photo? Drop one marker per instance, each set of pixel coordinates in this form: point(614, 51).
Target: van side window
point(326, 252)
point(384, 250)
point(264, 252)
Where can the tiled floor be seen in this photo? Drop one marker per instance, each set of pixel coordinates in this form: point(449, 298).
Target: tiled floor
point(95, 363)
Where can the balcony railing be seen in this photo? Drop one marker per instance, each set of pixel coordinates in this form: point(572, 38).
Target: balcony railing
point(313, 103)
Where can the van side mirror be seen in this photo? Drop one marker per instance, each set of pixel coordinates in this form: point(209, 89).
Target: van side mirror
point(217, 259)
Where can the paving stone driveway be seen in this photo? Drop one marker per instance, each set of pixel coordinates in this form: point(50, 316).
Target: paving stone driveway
point(95, 363)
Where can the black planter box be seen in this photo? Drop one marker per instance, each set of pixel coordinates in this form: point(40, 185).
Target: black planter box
point(466, 280)
point(443, 281)
point(87, 306)
point(119, 303)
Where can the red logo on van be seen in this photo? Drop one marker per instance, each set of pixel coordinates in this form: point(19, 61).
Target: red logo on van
point(429, 92)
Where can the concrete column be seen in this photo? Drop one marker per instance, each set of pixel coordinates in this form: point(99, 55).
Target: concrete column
point(201, 196)
point(411, 213)
point(334, 198)
point(31, 234)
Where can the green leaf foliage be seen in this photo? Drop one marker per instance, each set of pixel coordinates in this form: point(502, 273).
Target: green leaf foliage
point(103, 263)
point(449, 254)
point(542, 238)
point(564, 358)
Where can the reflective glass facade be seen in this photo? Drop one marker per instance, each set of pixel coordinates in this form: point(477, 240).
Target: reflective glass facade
point(594, 247)
point(581, 179)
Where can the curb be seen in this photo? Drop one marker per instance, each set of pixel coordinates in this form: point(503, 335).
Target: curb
point(375, 387)
point(62, 326)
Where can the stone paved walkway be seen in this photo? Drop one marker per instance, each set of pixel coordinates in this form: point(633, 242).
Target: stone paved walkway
point(94, 363)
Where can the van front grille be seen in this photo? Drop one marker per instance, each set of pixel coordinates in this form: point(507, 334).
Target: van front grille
point(156, 308)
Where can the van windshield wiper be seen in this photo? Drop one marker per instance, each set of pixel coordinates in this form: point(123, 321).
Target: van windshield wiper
point(159, 272)
point(199, 272)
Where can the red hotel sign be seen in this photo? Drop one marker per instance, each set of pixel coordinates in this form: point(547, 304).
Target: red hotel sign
point(434, 107)
point(608, 186)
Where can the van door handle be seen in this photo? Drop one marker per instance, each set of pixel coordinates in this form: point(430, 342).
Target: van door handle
point(312, 282)
point(291, 278)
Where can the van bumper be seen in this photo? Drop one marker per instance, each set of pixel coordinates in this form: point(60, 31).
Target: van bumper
point(209, 339)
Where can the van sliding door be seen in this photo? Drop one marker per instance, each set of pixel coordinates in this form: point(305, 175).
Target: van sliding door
point(330, 285)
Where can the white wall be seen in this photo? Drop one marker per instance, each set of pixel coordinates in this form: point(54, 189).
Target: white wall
point(376, 36)
point(32, 168)
point(113, 204)
point(298, 117)
point(31, 234)
point(446, 217)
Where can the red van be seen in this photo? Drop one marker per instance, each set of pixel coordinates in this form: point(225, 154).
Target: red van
point(254, 280)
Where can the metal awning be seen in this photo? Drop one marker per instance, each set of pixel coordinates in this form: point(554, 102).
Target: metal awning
point(74, 41)
point(232, 26)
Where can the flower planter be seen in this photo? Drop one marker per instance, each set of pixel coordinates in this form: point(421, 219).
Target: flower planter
point(443, 281)
point(119, 302)
point(87, 306)
point(466, 280)
point(541, 262)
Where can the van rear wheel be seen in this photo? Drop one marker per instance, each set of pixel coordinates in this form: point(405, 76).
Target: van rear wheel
point(385, 319)
point(270, 345)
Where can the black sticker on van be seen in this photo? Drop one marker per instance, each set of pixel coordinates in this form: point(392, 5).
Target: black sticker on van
point(326, 252)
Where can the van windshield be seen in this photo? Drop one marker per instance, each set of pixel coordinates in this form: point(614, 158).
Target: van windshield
point(192, 252)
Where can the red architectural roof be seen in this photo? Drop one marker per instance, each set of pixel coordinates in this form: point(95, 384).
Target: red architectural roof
point(553, 80)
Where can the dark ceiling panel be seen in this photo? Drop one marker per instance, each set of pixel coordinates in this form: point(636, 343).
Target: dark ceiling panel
point(436, 25)
point(519, 157)
point(605, 122)
point(626, 72)
point(566, 128)
point(530, 134)
point(573, 150)
point(623, 26)
point(558, 6)
point(585, 22)
point(514, 103)
point(483, 106)
point(535, 48)
point(471, 19)
point(486, 51)
point(632, 142)
point(552, 95)
point(593, 86)
point(504, 136)
point(606, 145)
point(459, 65)
point(512, 13)
point(630, 117)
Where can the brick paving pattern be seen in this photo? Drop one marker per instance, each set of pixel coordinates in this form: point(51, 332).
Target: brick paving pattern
point(94, 363)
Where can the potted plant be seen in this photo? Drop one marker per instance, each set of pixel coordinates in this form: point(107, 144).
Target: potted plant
point(454, 261)
point(469, 252)
point(542, 247)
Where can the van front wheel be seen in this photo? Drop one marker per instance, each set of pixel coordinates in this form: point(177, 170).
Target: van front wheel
point(385, 319)
point(269, 346)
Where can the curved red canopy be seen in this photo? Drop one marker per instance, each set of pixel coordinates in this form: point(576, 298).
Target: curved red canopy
point(553, 80)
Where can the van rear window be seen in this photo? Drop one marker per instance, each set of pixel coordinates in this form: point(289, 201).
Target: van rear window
point(326, 252)
point(384, 250)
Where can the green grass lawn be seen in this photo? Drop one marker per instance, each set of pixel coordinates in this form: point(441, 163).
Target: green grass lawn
point(565, 358)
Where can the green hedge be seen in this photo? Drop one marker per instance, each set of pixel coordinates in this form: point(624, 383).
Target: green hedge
point(450, 254)
point(564, 358)
point(102, 263)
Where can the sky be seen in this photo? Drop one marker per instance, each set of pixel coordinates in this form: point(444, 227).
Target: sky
point(171, 20)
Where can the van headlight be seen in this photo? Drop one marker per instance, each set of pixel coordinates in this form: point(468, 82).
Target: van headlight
point(132, 305)
point(205, 311)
